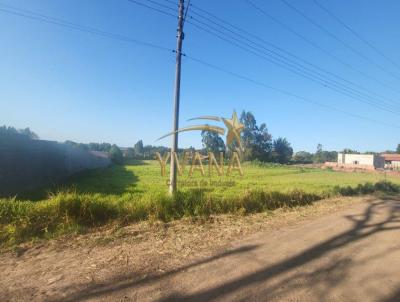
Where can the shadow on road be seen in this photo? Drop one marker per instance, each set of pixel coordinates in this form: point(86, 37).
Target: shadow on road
point(393, 298)
point(331, 273)
point(129, 281)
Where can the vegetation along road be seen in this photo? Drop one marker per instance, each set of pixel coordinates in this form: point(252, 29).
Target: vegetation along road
point(130, 193)
point(343, 249)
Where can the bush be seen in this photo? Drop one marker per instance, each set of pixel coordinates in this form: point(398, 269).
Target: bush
point(69, 211)
point(368, 188)
point(116, 155)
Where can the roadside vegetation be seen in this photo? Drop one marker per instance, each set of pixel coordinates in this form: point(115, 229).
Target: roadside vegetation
point(133, 189)
point(136, 191)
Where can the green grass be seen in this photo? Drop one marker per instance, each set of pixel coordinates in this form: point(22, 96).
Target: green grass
point(142, 178)
point(136, 191)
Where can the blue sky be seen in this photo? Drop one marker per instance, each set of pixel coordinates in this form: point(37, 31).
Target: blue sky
point(67, 84)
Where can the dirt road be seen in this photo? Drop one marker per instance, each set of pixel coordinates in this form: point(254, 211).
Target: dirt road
point(351, 254)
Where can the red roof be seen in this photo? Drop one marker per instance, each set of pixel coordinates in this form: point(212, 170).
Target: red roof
point(391, 157)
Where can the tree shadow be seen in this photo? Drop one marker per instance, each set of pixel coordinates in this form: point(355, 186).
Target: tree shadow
point(395, 297)
point(331, 274)
point(326, 277)
point(135, 162)
point(131, 281)
point(114, 180)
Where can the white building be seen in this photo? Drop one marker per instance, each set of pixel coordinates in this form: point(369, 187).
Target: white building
point(362, 161)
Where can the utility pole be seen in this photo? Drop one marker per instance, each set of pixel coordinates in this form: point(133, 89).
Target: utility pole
point(179, 36)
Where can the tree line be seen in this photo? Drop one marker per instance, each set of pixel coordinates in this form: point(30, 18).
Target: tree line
point(258, 144)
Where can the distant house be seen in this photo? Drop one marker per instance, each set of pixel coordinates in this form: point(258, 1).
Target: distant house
point(392, 161)
point(360, 161)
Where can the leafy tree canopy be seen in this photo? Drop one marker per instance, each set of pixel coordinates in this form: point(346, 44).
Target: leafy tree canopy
point(282, 151)
point(321, 156)
point(139, 149)
point(212, 141)
point(303, 157)
point(116, 154)
point(11, 131)
point(256, 140)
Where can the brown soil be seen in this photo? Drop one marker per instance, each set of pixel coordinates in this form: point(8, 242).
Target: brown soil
point(336, 250)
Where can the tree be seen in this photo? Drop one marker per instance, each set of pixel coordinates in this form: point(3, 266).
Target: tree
point(212, 141)
point(318, 154)
point(104, 147)
point(262, 148)
point(28, 133)
point(256, 141)
point(139, 149)
point(398, 148)
point(282, 150)
point(149, 151)
point(323, 156)
point(303, 157)
point(130, 153)
point(116, 155)
point(22, 133)
point(319, 148)
point(77, 145)
point(350, 151)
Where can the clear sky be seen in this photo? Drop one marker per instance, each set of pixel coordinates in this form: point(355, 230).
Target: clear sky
point(67, 84)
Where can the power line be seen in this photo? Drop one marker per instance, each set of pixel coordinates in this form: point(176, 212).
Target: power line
point(355, 33)
point(316, 46)
point(225, 24)
point(63, 23)
point(172, 2)
point(161, 5)
point(303, 74)
point(274, 53)
point(349, 92)
point(60, 22)
point(335, 37)
point(258, 83)
point(154, 8)
point(186, 12)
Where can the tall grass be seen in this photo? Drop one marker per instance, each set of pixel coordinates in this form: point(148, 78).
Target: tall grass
point(70, 211)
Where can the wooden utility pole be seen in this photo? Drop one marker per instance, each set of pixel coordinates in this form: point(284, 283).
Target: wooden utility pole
point(174, 148)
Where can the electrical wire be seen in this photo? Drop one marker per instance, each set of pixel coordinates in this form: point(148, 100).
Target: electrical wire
point(284, 92)
point(339, 89)
point(153, 8)
point(279, 56)
point(316, 46)
point(361, 38)
point(304, 75)
point(60, 22)
point(335, 37)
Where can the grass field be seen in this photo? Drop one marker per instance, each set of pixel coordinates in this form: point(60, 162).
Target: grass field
point(143, 177)
point(137, 191)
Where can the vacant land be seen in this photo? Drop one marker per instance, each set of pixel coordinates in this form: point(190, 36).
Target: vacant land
point(137, 192)
point(144, 177)
point(341, 249)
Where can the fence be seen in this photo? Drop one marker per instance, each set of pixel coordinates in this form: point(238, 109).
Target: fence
point(27, 164)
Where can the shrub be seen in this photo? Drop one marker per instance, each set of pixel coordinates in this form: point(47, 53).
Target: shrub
point(368, 188)
point(69, 211)
point(116, 155)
